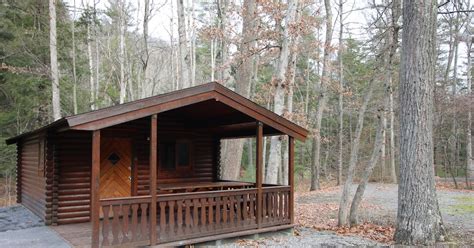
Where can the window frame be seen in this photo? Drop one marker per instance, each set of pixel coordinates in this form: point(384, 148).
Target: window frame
point(178, 170)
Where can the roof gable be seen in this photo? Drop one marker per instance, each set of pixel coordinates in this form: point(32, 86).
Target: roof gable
point(122, 113)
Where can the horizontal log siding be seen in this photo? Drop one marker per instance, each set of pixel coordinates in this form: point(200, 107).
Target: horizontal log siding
point(73, 157)
point(33, 182)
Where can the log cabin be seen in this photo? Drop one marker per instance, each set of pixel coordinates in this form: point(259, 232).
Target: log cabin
point(147, 172)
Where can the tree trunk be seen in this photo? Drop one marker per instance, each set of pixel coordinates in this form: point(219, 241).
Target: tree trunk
point(396, 13)
point(183, 48)
point(122, 83)
point(91, 67)
point(233, 156)
point(323, 98)
point(144, 89)
point(74, 74)
point(344, 202)
point(341, 94)
point(469, 157)
point(280, 82)
point(419, 220)
point(54, 61)
point(376, 153)
point(97, 56)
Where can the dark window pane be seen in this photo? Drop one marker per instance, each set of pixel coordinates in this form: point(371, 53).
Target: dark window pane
point(166, 153)
point(183, 154)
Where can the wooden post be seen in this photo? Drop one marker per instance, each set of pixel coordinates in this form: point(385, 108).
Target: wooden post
point(95, 180)
point(291, 176)
point(259, 177)
point(153, 163)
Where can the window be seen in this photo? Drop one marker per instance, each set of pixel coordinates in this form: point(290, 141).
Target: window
point(174, 155)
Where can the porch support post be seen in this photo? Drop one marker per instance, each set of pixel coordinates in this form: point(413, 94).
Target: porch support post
point(95, 180)
point(259, 176)
point(291, 176)
point(153, 162)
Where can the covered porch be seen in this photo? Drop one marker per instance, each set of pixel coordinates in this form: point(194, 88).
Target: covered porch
point(180, 212)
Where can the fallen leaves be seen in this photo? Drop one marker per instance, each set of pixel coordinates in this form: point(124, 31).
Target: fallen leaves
point(323, 217)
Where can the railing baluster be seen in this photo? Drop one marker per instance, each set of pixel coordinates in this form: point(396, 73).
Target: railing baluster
point(224, 211)
point(115, 224)
point(143, 221)
point(245, 209)
point(264, 208)
point(231, 210)
point(134, 222)
point(125, 219)
point(238, 203)
point(180, 217)
point(252, 208)
point(204, 226)
point(171, 230)
point(105, 226)
point(162, 227)
point(196, 215)
point(188, 216)
point(211, 212)
point(218, 212)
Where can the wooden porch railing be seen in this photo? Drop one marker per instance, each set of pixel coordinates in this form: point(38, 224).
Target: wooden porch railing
point(191, 215)
point(276, 202)
point(125, 221)
point(184, 216)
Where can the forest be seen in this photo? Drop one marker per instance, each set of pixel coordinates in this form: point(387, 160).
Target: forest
point(334, 67)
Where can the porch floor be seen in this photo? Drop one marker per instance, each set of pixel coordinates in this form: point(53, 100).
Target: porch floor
point(79, 235)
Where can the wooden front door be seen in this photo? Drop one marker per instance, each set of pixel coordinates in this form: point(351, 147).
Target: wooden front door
point(115, 167)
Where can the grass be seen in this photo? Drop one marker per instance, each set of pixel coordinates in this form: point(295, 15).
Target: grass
point(464, 205)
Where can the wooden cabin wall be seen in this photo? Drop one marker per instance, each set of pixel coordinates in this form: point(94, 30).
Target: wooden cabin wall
point(73, 159)
point(31, 175)
point(204, 167)
point(72, 163)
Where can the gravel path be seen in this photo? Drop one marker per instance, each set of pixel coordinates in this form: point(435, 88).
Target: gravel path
point(17, 217)
point(456, 207)
point(21, 228)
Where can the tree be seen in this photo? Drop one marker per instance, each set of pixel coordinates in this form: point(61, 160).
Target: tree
point(341, 94)
point(122, 29)
point(56, 103)
point(279, 83)
point(232, 154)
point(323, 98)
point(419, 220)
point(184, 57)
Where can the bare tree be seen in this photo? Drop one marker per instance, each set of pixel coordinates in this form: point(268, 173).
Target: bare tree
point(341, 94)
point(344, 202)
point(74, 75)
point(419, 219)
point(232, 154)
point(280, 81)
point(396, 13)
point(323, 98)
point(184, 57)
point(469, 156)
point(122, 27)
point(56, 102)
point(376, 153)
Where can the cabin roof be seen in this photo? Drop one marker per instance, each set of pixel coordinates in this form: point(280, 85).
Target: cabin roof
point(129, 111)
